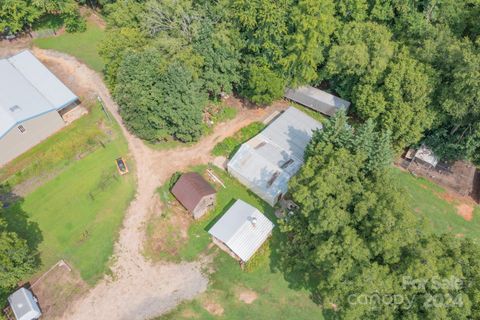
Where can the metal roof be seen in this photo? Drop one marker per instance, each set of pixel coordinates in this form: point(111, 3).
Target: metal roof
point(425, 154)
point(266, 163)
point(190, 190)
point(243, 228)
point(23, 305)
point(317, 99)
point(27, 90)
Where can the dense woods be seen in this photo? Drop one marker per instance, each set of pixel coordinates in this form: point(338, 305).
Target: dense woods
point(355, 244)
point(411, 66)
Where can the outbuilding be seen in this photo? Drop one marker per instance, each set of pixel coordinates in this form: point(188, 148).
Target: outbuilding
point(317, 100)
point(266, 162)
point(31, 99)
point(24, 305)
point(194, 193)
point(241, 231)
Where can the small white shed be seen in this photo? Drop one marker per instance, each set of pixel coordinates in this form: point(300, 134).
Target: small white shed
point(241, 230)
point(24, 305)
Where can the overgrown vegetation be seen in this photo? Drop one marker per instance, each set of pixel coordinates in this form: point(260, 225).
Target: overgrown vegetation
point(228, 146)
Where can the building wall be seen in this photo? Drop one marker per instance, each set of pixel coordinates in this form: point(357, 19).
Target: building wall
point(14, 143)
point(207, 203)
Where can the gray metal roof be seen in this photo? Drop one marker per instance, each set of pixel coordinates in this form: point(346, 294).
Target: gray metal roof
point(317, 99)
point(27, 90)
point(23, 305)
point(243, 228)
point(266, 163)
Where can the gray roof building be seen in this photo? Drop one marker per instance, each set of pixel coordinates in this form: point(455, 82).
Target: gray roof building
point(243, 229)
point(30, 98)
point(266, 162)
point(317, 100)
point(24, 305)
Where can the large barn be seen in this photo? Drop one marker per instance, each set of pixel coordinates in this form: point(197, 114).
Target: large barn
point(30, 100)
point(266, 163)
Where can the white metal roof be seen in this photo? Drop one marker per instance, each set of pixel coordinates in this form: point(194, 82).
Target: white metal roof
point(266, 163)
point(23, 305)
point(27, 90)
point(317, 99)
point(243, 228)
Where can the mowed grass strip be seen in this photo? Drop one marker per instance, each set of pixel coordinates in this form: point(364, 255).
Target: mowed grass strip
point(271, 296)
point(83, 45)
point(427, 200)
point(58, 151)
point(80, 211)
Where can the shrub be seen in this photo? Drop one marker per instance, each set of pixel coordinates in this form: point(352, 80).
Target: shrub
point(228, 146)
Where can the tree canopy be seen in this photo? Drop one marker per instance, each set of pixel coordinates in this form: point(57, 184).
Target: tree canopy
point(357, 246)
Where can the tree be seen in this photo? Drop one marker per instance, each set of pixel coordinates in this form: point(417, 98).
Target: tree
point(355, 244)
point(288, 36)
point(399, 102)
point(17, 259)
point(360, 54)
point(159, 99)
point(262, 85)
point(114, 47)
point(15, 15)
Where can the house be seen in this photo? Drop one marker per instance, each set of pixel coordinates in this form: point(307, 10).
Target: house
point(24, 305)
point(194, 193)
point(266, 162)
point(241, 231)
point(317, 100)
point(31, 98)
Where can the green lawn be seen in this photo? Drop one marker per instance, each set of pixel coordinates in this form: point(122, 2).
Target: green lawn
point(82, 45)
point(60, 150)
point(425, 199)
point(79, 211)
point(275, 300)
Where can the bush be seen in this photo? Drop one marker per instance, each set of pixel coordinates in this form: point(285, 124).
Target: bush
point(74, 22)
point(228, 146)
point(173, 179)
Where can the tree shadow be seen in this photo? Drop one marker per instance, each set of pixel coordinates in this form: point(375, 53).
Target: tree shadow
point(18, 220)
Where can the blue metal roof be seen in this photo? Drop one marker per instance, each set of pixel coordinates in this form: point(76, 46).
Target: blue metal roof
point(28, 90)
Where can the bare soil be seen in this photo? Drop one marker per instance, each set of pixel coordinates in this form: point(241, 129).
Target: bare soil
point(465, 205)
point(246, 295)
point(57, 289)
point(138, 288)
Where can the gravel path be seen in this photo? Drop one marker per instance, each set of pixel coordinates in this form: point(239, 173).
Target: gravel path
point(138, 288)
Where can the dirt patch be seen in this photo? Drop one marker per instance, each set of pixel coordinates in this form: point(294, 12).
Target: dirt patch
point(213, 307)
point(57, 289)
point(168, 232)
point(465, 211)
point(190, 314)
point(465, 205)
point(246, 295)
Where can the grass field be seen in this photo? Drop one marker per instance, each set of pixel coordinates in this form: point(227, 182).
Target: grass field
point(274, 298)
point(82, 45)
point(80, 210)
point(428, 201)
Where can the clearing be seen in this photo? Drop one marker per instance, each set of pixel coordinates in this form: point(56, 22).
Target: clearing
point(83, 45)
point(73, 193)
point(260, 293)
point(443, 211)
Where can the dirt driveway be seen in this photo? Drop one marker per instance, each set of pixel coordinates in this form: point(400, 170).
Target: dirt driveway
point(140, 289)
